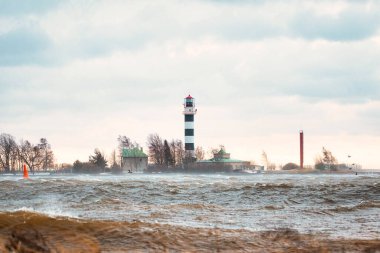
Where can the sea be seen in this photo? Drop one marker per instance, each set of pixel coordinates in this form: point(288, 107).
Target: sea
point(337, 206)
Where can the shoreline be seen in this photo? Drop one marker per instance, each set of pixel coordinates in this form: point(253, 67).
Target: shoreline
point(33, 232)
point(169, 171)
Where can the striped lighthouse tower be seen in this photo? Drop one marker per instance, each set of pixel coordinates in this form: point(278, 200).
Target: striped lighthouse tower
point(189, 112)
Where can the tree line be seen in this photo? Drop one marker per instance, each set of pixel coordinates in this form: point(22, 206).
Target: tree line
point(96, 163)
point(170, 153)
point(161, 152)
point(13, 155)
point(325, 161)
point(99, 163)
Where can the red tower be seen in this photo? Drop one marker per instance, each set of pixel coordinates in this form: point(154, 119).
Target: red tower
point(301, 149)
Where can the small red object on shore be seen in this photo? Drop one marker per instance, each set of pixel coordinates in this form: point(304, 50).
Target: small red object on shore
point(26, 174)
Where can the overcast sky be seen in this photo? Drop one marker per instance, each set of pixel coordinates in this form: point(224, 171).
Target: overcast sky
point(82, 72)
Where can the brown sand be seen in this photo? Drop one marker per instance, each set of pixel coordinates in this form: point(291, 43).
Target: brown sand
point(30, 232)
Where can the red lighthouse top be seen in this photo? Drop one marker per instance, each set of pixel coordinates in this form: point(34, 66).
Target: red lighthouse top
point(189, 96)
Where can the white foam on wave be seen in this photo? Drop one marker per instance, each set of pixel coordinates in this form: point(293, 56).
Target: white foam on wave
point(49, 211)
point(25, 209)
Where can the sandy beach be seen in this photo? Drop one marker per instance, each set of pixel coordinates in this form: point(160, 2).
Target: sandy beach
point(31, 232)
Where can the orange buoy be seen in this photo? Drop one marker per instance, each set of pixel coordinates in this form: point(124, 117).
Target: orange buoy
point(26, 175)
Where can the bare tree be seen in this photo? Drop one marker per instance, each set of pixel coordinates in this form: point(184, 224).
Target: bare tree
point(31, 155)
point(124, 142)
point(180, 151)
point(326, 161)
point(8, 148)
point(328, 157)
point(272, 166)
point(112, 158)
point(168, 158)
point(156, 149)
point(199, 153)
point(177, 151)
point(269, 165)
point(16, 161)
point(114, 166)
point(12, 156)
point(265, 160)
point(46, 153)
point(173, 151)
point(212, 151)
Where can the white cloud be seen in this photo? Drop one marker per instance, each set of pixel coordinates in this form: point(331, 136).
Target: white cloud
point(116, 67)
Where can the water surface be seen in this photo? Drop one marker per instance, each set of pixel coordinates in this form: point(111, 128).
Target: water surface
point(339, 206)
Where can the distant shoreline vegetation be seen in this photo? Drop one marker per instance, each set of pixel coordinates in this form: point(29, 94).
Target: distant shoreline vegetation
point(13, 155)
point(163, 156)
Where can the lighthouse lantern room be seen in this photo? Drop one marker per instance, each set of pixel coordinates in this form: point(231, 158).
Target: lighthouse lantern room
point(189, 112)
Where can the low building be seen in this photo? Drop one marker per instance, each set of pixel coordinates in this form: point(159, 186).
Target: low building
point(134, 160)
point(223, 161)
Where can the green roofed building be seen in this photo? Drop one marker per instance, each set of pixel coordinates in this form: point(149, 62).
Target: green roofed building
point(134, 160)
point(222, 159)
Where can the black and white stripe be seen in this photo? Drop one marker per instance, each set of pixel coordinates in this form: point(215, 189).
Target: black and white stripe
point(189, 112)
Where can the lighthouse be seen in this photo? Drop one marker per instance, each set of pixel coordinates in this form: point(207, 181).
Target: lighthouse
point(189, 111)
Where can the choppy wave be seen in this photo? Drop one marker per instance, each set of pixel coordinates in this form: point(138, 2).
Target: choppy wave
point(32, 232)
point(360, 206)
point(339, 206)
